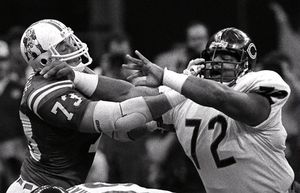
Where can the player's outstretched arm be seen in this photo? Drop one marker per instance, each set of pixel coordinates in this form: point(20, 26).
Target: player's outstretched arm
point(96, 87)
point(104, 116)
point(250, 108)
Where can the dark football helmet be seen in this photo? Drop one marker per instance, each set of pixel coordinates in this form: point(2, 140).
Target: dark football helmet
point(233, 42)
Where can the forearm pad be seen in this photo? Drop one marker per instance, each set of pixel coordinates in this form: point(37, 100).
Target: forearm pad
point(127, 115)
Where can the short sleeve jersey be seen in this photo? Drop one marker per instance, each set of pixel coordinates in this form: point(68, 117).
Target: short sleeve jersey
point(59, 154)
point(230, 156)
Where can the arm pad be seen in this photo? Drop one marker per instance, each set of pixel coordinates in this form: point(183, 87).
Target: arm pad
point(127, 115)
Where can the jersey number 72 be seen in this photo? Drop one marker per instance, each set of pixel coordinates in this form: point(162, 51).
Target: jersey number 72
point(220, 163)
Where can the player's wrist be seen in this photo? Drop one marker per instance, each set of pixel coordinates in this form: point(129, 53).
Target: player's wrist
point(160, 75)
point(173, 79)
point(85, 83)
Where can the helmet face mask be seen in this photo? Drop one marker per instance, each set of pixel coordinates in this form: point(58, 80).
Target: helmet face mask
point(229, 54)
point(41, 44)
point(67, 51)
point(224, 66)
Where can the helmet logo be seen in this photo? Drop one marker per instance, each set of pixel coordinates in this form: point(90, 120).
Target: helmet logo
point(32, 47)
point(251, 50)
point(221, 44)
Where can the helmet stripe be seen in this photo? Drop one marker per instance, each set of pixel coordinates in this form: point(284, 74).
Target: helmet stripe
point(55, 24)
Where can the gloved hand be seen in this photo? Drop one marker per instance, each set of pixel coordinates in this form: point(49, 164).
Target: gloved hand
point(194, 67)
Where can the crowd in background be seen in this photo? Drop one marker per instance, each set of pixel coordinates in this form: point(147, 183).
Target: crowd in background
point(156, 160)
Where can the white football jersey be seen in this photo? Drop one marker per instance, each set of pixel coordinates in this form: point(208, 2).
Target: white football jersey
point(230, 156)
point(101, 187)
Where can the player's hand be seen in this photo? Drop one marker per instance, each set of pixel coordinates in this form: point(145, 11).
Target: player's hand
point(194, 67)
point(58, 70)
point(148, 73)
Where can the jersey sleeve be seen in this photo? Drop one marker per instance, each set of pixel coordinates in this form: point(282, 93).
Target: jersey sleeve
point(275, 89)
point(58, 104)
point(272, 86)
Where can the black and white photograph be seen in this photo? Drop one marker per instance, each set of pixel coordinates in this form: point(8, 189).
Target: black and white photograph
point(148, 96)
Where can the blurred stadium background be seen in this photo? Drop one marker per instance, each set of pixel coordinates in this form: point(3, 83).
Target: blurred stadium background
point(152, 25)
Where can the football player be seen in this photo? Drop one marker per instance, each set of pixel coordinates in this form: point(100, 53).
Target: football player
point(63, 124)
point(230, 126)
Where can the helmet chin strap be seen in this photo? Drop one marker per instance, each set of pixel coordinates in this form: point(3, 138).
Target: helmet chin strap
point(233, 82)
point(81, 67)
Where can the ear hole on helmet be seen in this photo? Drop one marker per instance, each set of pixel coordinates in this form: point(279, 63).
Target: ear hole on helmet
point(43, 61)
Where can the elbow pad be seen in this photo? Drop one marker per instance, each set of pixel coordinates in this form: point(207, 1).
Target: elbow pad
point(127, 115)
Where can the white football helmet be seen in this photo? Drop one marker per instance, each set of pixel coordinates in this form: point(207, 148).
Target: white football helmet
point(39, 45)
